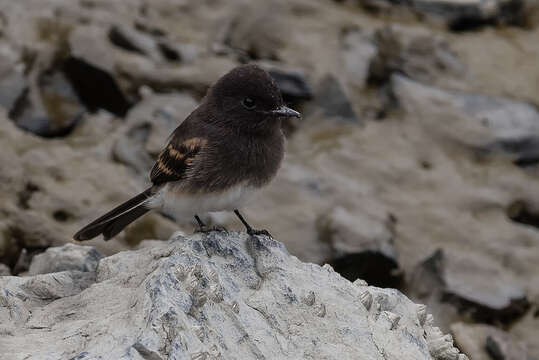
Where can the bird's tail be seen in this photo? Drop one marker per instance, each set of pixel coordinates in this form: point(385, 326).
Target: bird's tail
point(118, 218)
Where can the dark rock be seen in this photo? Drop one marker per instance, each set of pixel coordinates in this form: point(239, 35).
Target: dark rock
point(333, 102)
point(63, 90)
point(129, 40)
point(149, 29)
point(63, 258)
point(134, 41)
point(169, 52)
point(493, 349)
point(524, 150)
point(96, 88)
point(482, 310)
point(521, 212)
point(468, 285)
point(10, 248)
point(362, 247)
point(376, 268)
point(459, 15)
point(177, 52)
point(293, 85)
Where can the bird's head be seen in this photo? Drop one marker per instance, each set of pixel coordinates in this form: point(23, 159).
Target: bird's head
point(248, 97)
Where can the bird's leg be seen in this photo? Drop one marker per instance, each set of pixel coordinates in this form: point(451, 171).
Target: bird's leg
point(203, 228)
point(201, 225)
point(250, 230)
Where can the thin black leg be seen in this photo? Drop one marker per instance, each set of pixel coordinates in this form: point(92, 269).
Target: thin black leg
point(245, 223)
point(201, 224)
point(250, 230)
point(202, 228)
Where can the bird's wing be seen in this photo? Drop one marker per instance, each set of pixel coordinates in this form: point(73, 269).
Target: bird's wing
point(174, 161)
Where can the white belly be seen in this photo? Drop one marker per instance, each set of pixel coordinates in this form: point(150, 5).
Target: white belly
point(181, 205)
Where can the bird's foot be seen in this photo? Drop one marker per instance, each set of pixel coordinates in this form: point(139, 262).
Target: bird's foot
point(208, 229)
point(254, 232)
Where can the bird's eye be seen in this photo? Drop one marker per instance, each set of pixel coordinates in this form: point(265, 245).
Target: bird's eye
point(248, 103)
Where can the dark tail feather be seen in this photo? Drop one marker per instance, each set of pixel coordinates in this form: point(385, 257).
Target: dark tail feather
point(115, 220)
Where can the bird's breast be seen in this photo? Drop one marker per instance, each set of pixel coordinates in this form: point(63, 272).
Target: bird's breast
point(178, 203)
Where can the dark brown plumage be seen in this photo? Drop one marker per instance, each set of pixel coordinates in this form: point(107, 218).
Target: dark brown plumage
point(232, 143)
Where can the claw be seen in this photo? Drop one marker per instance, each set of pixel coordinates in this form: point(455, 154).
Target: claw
point(208, 229)
point(254, 232)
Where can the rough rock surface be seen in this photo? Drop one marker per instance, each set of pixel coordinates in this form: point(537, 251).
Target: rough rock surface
point(211, 296)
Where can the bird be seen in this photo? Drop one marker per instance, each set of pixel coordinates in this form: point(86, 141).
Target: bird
point(227, 149)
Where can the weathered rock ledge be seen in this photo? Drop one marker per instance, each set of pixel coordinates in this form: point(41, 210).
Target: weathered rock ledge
point(215, 296)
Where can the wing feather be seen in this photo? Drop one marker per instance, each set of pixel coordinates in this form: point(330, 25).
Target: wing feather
point(173, 162)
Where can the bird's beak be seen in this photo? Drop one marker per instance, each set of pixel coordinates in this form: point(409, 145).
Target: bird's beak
point(285, 112)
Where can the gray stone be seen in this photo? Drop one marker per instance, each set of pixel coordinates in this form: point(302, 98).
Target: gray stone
point(358, 50)
point(197, 76)
point(157, 48)
point(63, 258)
point(209, 296)
point(461, 15)
point(90, 43)
point(149, 124)
point(468, 284)
point(4, 270)
point(251, 34)
point(412, 51)
point(23, 262)
point(50, 108)
point(12, 80)
point(129, 150)
point(471, 119)
point(60, 91)
point(485, 342)
point(362, 246)
point(332, 102)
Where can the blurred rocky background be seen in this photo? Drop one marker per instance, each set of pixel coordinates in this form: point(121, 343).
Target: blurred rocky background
point(415, 165)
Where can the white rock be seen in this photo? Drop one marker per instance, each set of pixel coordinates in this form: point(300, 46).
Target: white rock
point(134, 306)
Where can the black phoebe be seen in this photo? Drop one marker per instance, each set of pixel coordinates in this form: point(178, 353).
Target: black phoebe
point(229, 146)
